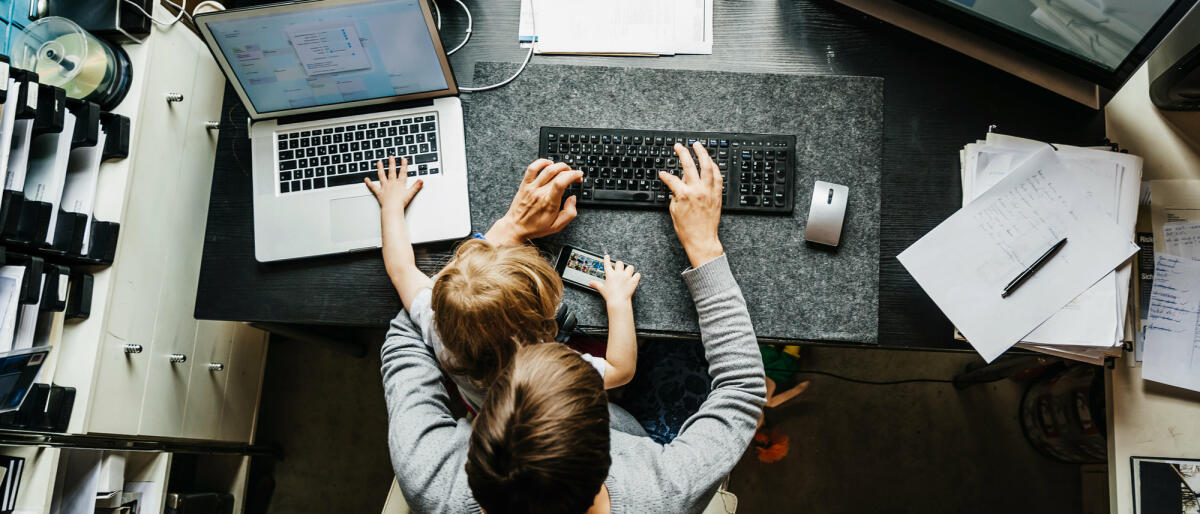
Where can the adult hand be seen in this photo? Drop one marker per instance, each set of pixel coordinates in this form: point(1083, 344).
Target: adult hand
point(696, 205)
point(535, 210)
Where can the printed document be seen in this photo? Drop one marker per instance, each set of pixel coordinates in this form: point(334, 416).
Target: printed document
point(1172, 353)
point(965, 262)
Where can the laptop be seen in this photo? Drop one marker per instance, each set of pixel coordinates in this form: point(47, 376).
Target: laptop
point(332, 88)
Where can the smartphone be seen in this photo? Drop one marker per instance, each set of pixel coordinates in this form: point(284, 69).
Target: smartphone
point(580, 267)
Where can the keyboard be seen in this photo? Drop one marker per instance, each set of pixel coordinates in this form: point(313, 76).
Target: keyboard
point(620, 167)
point(319, 158)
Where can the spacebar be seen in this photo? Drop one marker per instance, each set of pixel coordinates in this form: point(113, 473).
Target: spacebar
point(605, 195)
point(349, 178)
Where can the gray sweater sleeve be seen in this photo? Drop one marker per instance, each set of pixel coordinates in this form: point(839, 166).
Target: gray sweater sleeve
point(427, 445)
point(713, 439)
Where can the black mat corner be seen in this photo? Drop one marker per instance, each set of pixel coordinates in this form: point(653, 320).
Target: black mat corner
point(794, 292)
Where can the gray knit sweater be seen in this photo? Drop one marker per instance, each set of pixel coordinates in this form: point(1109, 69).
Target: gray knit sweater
point(429, 447)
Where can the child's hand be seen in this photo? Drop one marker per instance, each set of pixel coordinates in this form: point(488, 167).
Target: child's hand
point(620, 282)
point(391, 191)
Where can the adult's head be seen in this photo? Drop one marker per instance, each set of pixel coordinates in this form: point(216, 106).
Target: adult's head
point(488, 301)
point(541, 442)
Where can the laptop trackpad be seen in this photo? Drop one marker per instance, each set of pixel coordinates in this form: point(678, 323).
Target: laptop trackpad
point(354, 219)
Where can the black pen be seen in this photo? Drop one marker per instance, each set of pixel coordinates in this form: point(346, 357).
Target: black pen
point(1016, 282)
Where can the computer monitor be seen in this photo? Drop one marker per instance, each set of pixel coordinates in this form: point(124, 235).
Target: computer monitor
point(286, 59)
point(1102, 41)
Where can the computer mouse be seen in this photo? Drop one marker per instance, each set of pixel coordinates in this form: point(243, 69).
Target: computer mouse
point(826, 213)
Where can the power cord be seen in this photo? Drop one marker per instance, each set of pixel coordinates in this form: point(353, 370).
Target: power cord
point(470, 23)
point(156, 21)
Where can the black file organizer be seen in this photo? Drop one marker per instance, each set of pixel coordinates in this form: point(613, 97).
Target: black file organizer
point(70, 226)
point(79, 296)
point(46, 408)
point(12, 201)
point(56, 276)
point(23, 223)
point(33, 218)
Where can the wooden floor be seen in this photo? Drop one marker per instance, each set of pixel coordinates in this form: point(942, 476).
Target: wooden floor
point(920, 448)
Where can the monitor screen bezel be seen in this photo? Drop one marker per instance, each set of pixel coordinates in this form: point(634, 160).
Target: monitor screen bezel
point(202, 21)
point(1054, 56)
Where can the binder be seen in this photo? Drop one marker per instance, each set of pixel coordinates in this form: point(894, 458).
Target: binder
point(72, 228)
point(10, 485)
point(44, 180)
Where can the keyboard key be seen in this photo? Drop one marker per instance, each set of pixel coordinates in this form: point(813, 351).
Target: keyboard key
point(621, 196)
point(349, 178)
point(307, 184)
point(428, 127)
point(287, 165)
point(285, 176)
point(423, 158)
point(433, 171)
point(285, 187)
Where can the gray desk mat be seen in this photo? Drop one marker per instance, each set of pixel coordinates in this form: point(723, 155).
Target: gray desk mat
point(794, 292)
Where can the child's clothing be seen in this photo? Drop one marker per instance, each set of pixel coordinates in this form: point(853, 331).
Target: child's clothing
point(421, 314)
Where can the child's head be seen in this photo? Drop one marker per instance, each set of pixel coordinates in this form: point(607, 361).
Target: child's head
point(488, 301)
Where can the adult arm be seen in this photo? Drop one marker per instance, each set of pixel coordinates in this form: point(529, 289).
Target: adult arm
point(427, 447)
point(535, 211)
point(713, 439)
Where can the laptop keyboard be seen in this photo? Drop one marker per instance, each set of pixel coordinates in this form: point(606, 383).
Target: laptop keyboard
point(343, 155)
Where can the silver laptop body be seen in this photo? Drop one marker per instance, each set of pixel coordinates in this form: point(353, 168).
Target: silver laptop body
point(334, 87)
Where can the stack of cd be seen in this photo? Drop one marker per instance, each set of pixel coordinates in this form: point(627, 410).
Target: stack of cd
point(64, 55)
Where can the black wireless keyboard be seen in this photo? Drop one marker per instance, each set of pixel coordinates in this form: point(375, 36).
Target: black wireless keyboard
point(620, 166)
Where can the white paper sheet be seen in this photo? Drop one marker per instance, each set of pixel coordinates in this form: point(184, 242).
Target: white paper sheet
point(10, 297)
point(965, 262)
point(27, 322)
point(47, 172)
point(1172, 354)
point(18, 156)
point(8, 116)
point(1096, 317)
point(664, 27)
point(1182, 238)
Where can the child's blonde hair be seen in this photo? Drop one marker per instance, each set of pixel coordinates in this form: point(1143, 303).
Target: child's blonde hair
point(488, 301)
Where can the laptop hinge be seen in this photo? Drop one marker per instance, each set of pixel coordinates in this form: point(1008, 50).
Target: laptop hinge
point(354, 111)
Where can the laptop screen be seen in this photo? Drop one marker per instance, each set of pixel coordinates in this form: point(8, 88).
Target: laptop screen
point(317, 54)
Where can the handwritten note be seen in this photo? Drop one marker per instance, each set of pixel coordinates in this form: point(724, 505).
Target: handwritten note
point(965, 262)
point(1182, 239)
point(1172, 354)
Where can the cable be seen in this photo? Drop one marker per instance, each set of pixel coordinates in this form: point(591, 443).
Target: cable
point(470, 24)
point(163, 24)
point(528, 56)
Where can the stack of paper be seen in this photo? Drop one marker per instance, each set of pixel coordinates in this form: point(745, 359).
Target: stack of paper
point(1093, 325)
point(1020, 198)
point(666, 27)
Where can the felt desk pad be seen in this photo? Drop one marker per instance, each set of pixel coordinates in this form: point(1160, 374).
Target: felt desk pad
point(793, 291)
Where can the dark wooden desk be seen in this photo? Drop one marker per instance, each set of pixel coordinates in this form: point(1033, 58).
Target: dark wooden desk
point(936, 101)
